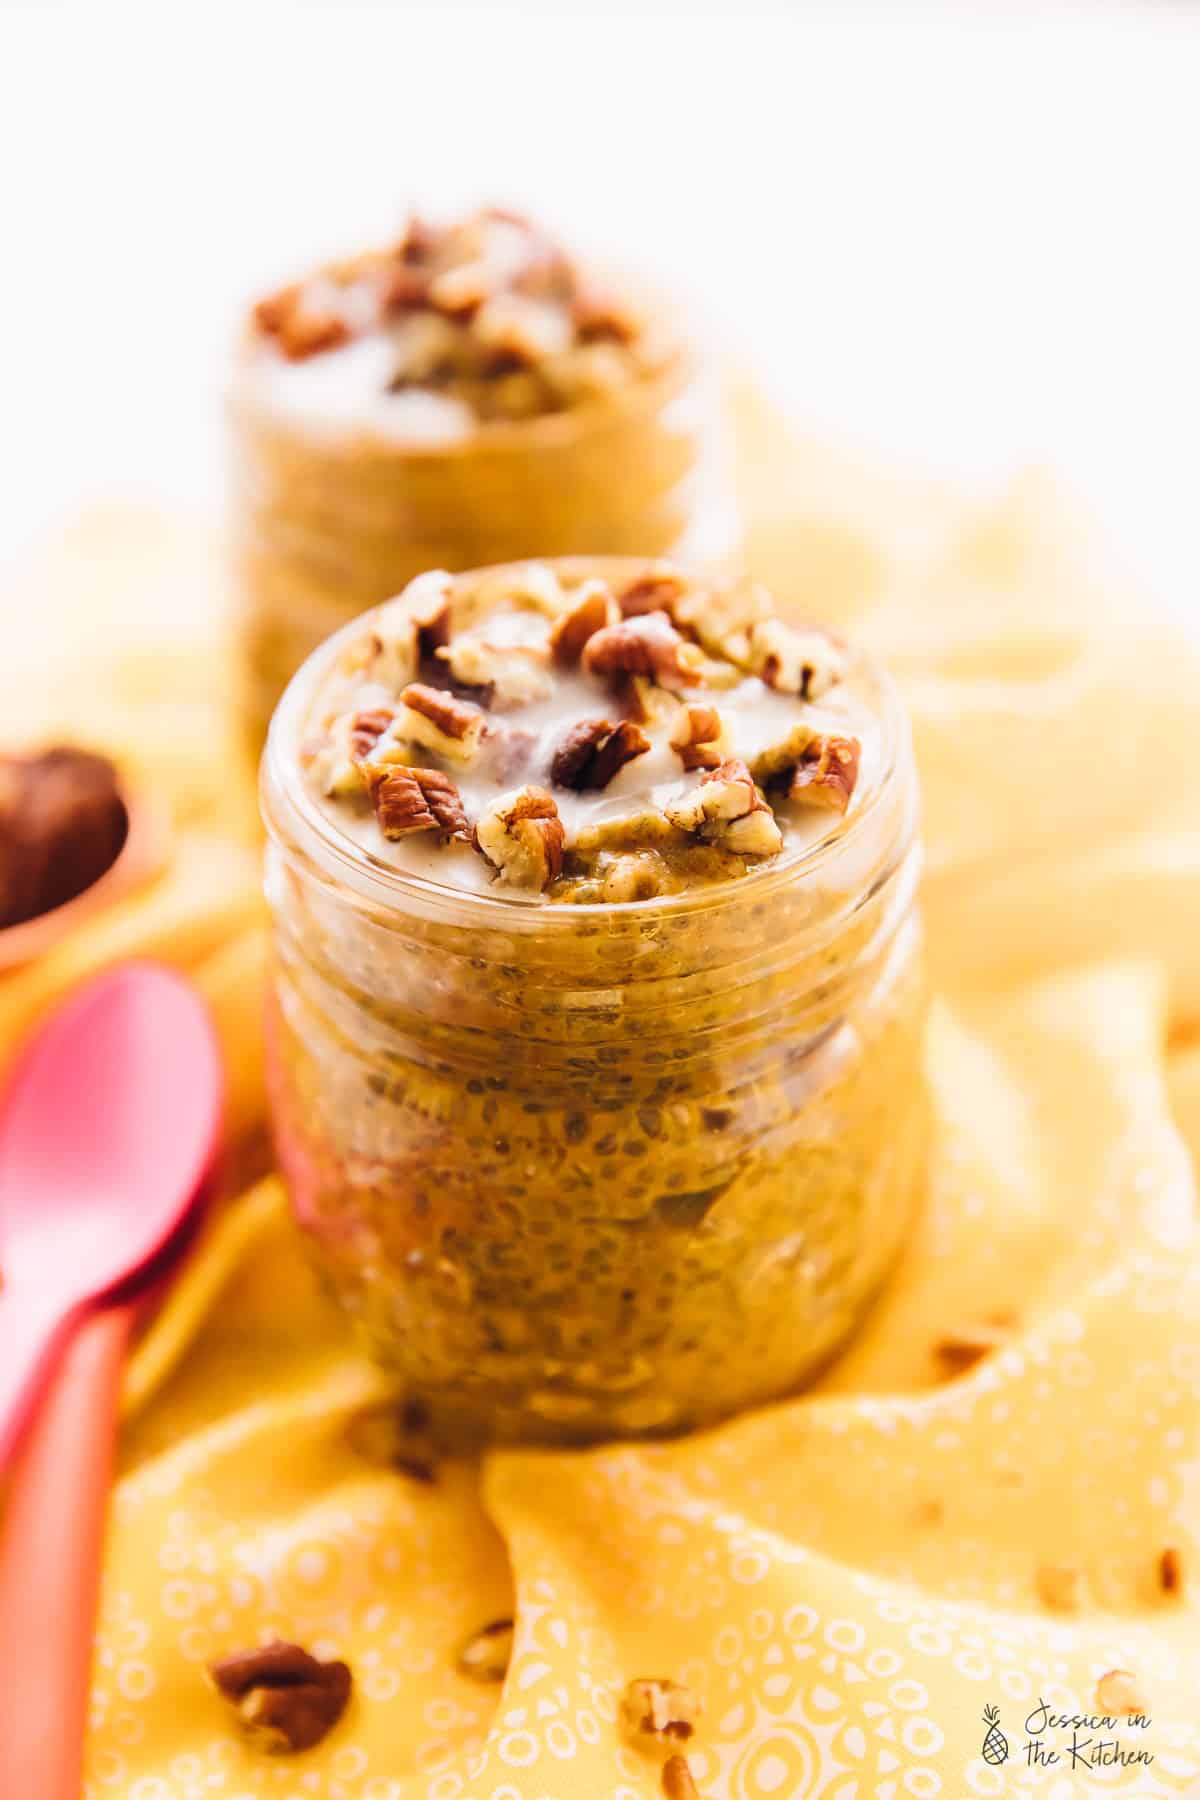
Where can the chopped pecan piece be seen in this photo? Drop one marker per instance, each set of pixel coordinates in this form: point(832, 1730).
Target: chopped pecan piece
point(723, 618)
point(655, 591)
point(366, 729)
point(647, 645)
point(440, 721)
point(461, 291)
point(806, 663)
point(407, 800)
point(699, 736)
point(405, 286)
point(677, 1783)
point(727, 809)
point(658, 1714)
point(418, 241)
point(591, 609)
point(594, 750)
point(411, 626)
point(639, 698)
point(286, 1699)
point(365, 265)
point(270, 313)
point(430, 350)
point(827, 772)
point(306, 333)
point(526, 329)
point(776, 764)
point(596, 313)
point(487, 1653)
point(427, 601)
point(531, 585)
point(299, 328)
point(1059, 1587)
point(815, 767)
point(522, 835)
point(330, 760)
point(514, 674)
point(1118, 1695)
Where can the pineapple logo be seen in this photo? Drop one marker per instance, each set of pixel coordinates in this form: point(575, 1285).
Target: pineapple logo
point(995, 1744)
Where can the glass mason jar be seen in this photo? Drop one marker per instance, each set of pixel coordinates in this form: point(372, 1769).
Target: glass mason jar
point(590, 1171)
point(331, 518)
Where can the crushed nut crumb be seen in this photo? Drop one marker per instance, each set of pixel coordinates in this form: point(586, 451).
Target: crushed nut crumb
point(1119, 1694)
point(658, 1714)
point(487, 1653)
point(959, 1350)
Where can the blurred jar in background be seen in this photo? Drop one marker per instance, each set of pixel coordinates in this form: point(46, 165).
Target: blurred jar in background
point(469, 396)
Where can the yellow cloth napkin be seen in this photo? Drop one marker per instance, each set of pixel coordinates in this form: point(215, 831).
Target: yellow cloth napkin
point(848, 1580)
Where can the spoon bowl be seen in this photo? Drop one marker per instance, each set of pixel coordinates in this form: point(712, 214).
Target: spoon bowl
point(107, 1133)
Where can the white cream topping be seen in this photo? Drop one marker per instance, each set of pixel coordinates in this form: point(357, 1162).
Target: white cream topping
point(755, 717)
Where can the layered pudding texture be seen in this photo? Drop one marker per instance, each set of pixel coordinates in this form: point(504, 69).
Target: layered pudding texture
point(466, 395)
point(596, 1037)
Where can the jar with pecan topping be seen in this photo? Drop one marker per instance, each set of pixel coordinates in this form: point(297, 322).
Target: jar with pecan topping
point(583, 1167)
point(468, 396)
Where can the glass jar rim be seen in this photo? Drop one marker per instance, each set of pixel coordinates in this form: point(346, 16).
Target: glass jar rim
point(314, 832)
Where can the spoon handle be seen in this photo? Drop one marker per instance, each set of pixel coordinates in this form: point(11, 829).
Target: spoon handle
point(32, 1330)
point(50, 1564)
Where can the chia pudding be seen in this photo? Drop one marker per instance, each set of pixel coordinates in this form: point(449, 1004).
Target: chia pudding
point(465, 395)
point(596, 1035)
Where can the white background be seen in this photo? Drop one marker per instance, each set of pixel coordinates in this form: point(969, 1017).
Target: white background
point(967, 232)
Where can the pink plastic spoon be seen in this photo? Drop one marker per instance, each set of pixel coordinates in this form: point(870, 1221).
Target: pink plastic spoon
point(105, 1144)
point(108, 1130)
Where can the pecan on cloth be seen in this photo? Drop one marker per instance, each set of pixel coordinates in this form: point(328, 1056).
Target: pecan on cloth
point(286, 1699)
